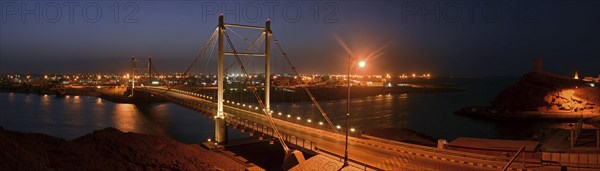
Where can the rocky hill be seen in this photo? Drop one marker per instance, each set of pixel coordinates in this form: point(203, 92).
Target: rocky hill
point(548, 93)
point(106, 149)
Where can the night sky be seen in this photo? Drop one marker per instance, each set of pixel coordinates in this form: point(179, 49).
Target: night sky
point(447, 38)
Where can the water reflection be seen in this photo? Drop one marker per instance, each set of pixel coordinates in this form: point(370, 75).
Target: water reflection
point(28, 99)
point(71, 117)
point(46, 106)
point(46, 102)
point(99, 108)
point(124, 117)
point(74, 116)
point(156, 115)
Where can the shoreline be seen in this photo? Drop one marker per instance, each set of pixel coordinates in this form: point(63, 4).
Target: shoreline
point(117, 93)
point(488, 112)
point(541, 95)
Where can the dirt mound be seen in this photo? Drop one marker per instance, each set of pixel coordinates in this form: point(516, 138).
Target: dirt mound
point(107, 149)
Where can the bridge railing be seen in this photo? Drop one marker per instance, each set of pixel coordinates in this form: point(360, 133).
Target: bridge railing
point(293, 141)
point(352, 162)
point(397, 146)
point(377, 143)
point(264, 130)
point(318, 124)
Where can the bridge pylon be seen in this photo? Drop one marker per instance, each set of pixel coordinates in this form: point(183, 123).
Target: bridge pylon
point(137, 73)
point(220, 125)
point(292, 156)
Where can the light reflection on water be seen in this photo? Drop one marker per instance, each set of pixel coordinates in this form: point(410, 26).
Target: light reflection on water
point(125, 118)
point(74, 116)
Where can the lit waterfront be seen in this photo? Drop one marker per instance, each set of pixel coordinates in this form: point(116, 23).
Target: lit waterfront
point(431, 114)
point(299, 85)
point(279, 80)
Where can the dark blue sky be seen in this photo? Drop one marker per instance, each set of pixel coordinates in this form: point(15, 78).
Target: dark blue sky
point(473, 38)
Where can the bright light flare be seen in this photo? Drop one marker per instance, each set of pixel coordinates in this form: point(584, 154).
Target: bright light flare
point(362, 64)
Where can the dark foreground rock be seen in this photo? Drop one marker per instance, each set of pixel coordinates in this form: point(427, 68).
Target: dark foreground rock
point(106, 149)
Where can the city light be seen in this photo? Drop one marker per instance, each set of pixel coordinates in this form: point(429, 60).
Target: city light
point(336, 91)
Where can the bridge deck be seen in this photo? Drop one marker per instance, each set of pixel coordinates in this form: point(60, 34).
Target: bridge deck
point(378, 153)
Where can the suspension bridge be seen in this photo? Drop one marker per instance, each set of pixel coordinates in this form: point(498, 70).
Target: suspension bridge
point(368, 153)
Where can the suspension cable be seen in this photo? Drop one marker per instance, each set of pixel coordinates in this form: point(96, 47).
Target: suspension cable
point(207, 62)
point(238, 35)
point(253, 48)
point(205, 66)
point(312, 97)
point(250, 49)
point(260, 102)
point(195, 59)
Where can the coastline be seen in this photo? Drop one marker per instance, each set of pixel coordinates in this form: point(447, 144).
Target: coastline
point(488, 112)
point(117, 93)
point(541, 95)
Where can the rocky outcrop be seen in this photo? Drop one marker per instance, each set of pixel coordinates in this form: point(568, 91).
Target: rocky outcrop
point(572, 100)
point(548, 93)
point(107, 149)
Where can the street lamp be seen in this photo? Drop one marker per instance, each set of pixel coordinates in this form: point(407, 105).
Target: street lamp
point(361, 64)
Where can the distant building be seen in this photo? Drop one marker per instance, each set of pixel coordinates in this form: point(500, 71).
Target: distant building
point(537, 65)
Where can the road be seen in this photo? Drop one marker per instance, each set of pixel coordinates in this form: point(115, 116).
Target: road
point(380, 153)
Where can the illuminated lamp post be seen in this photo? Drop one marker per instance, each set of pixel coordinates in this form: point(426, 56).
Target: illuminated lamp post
point(361, 64)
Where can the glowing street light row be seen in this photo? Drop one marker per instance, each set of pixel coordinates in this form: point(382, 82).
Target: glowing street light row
point(256, 108)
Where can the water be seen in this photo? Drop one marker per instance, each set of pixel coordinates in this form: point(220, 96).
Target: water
point(432, 114)
point(73, 116)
